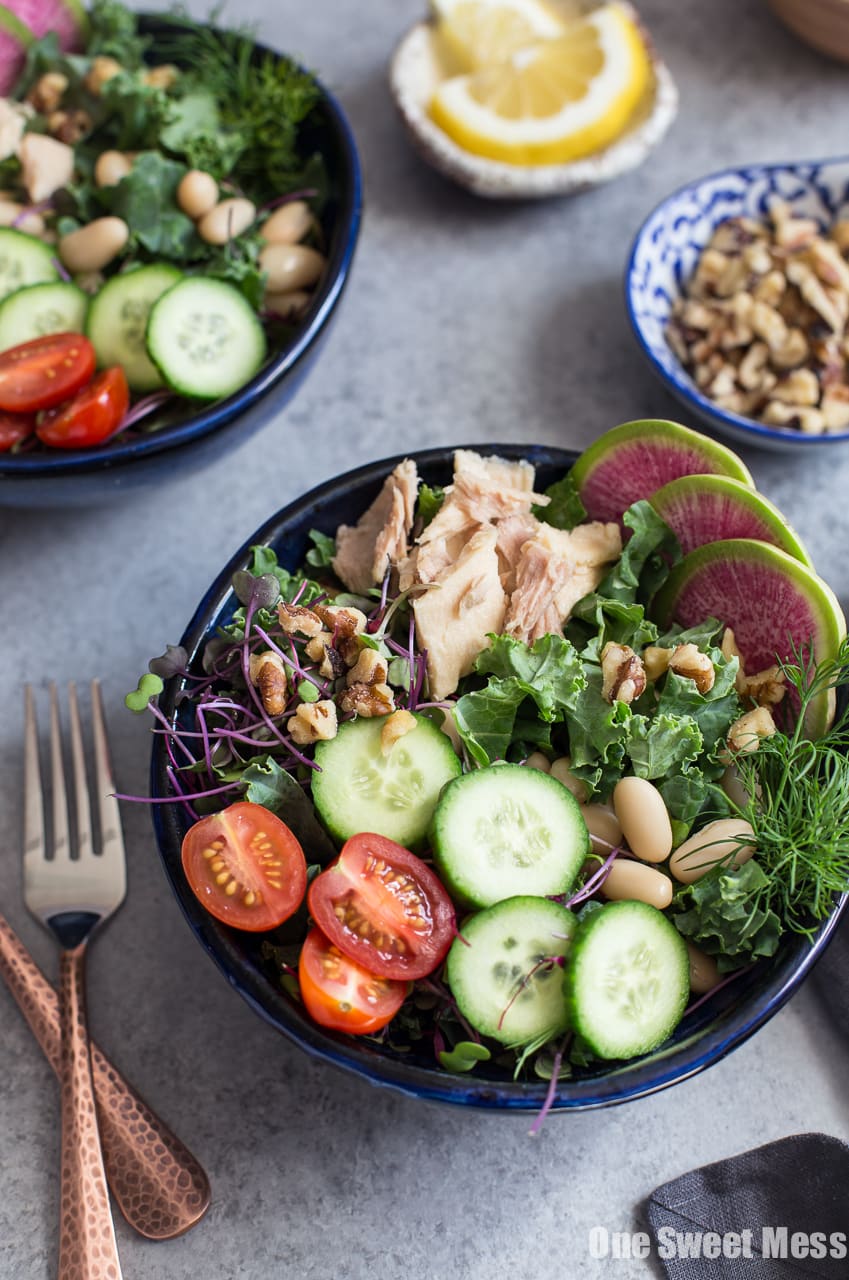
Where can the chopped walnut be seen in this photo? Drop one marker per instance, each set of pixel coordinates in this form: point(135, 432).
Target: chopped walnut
point(745, 734)
point(102, 69)
point(766, 688)
point(396, 726)
point(268, 673)
point(655, 662)
point(164, 76)
point(371, 668)
point(69, 126)
point(296, 620)
point(623, 674)
point(47, 92)
point(312, 722)
point(728, 647)
point(368, 699)
point(763, 324)
point(342, 620)
point(315, 647)
point(687, 661)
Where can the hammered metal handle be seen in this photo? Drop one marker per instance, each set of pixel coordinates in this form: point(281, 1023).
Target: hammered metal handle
point(157, 1183)
point(87, 1246)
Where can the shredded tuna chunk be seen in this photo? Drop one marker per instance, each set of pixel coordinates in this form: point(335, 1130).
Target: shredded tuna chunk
point(556, 568)
point(379, 539)
point(513, 533)
point(454, 618)
point(484, 489)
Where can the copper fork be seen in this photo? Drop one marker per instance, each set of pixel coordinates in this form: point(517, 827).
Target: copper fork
point(72, 896)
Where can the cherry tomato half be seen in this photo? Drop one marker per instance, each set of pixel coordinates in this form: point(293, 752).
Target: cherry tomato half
point(245, 866)
point(341, 994)
point(42, 373)
point(95, 413)
point(15, 427)
point(384, 908)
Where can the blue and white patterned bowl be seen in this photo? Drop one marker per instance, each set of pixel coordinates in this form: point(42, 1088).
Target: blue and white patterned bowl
point(667, 249)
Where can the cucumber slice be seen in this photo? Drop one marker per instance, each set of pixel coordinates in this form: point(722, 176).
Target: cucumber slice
point(39, 309)
point(361, 789)
point(497, 974)
point(117, 322)
point(628, 979)
point(24, 260)
point(508, 830)
point(205, 338)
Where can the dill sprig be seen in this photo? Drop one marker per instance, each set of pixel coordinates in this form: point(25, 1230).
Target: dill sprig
point(798, 804)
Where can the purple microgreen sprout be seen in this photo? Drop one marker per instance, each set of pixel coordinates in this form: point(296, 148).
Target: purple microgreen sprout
point(550, 1093)
point(732, 977)
point(63, 274)
point(560, 961)
point(173, 662)
point(307, 193)
point(260, 593)
point(595, 881)
point(41, 207)
point(144, 407)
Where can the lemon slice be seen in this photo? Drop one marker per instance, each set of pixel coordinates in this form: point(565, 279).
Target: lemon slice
point(554, 100)
point(481, 32)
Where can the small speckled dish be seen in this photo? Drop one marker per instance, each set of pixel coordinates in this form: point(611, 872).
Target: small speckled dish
point(416, 69)
point(664, 257)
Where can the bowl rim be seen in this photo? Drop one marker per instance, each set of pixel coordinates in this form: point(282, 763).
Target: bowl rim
point(678, 382)
point(221, 413)
point(623, 1082)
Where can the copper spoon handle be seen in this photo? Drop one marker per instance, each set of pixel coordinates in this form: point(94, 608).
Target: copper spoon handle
point(87, 1246)
point(158, 1184)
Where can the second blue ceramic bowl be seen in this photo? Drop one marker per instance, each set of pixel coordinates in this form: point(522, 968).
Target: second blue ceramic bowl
point(199, 434)
point(704, 1036)
point(667, 249)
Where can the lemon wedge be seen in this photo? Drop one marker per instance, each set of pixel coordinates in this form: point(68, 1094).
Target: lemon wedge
point(552, 100)
point(480, 33)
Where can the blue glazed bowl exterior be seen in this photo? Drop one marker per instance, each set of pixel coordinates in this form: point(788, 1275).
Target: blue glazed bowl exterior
point(203, 433)
point(667, 249)
point(704, 1036)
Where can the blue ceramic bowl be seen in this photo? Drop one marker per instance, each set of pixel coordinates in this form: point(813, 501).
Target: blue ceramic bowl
point(197, 435)
point(667, 249)
point(704, 1036)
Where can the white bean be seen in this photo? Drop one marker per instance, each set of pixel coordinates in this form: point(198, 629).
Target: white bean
point(561, 769)
point(227, 220)
point(197, 193)
point(725, 840)
point(635, 882)
point(644, 820)
point(536, 760)
point(10, 211)
point(288, 224)
point(704, 975)
point(603, 826)
point(110, 168)
point(92, 247)
point(288, 306)
point(290, 266)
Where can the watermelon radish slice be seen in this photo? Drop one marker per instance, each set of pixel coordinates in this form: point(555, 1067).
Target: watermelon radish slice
point(702, 509)
point(634, 460)
point(66, 17)
point(771, 601)
point(15, 39)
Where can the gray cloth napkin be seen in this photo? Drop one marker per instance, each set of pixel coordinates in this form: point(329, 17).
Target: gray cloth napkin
point(791, 1197)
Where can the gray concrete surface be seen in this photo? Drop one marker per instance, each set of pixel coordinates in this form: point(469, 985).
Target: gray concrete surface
point(463, 321)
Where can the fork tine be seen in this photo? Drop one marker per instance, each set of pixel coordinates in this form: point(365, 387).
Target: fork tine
point(111, 836)
point(84, 845)
point(61, 833)
point(33, 798)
